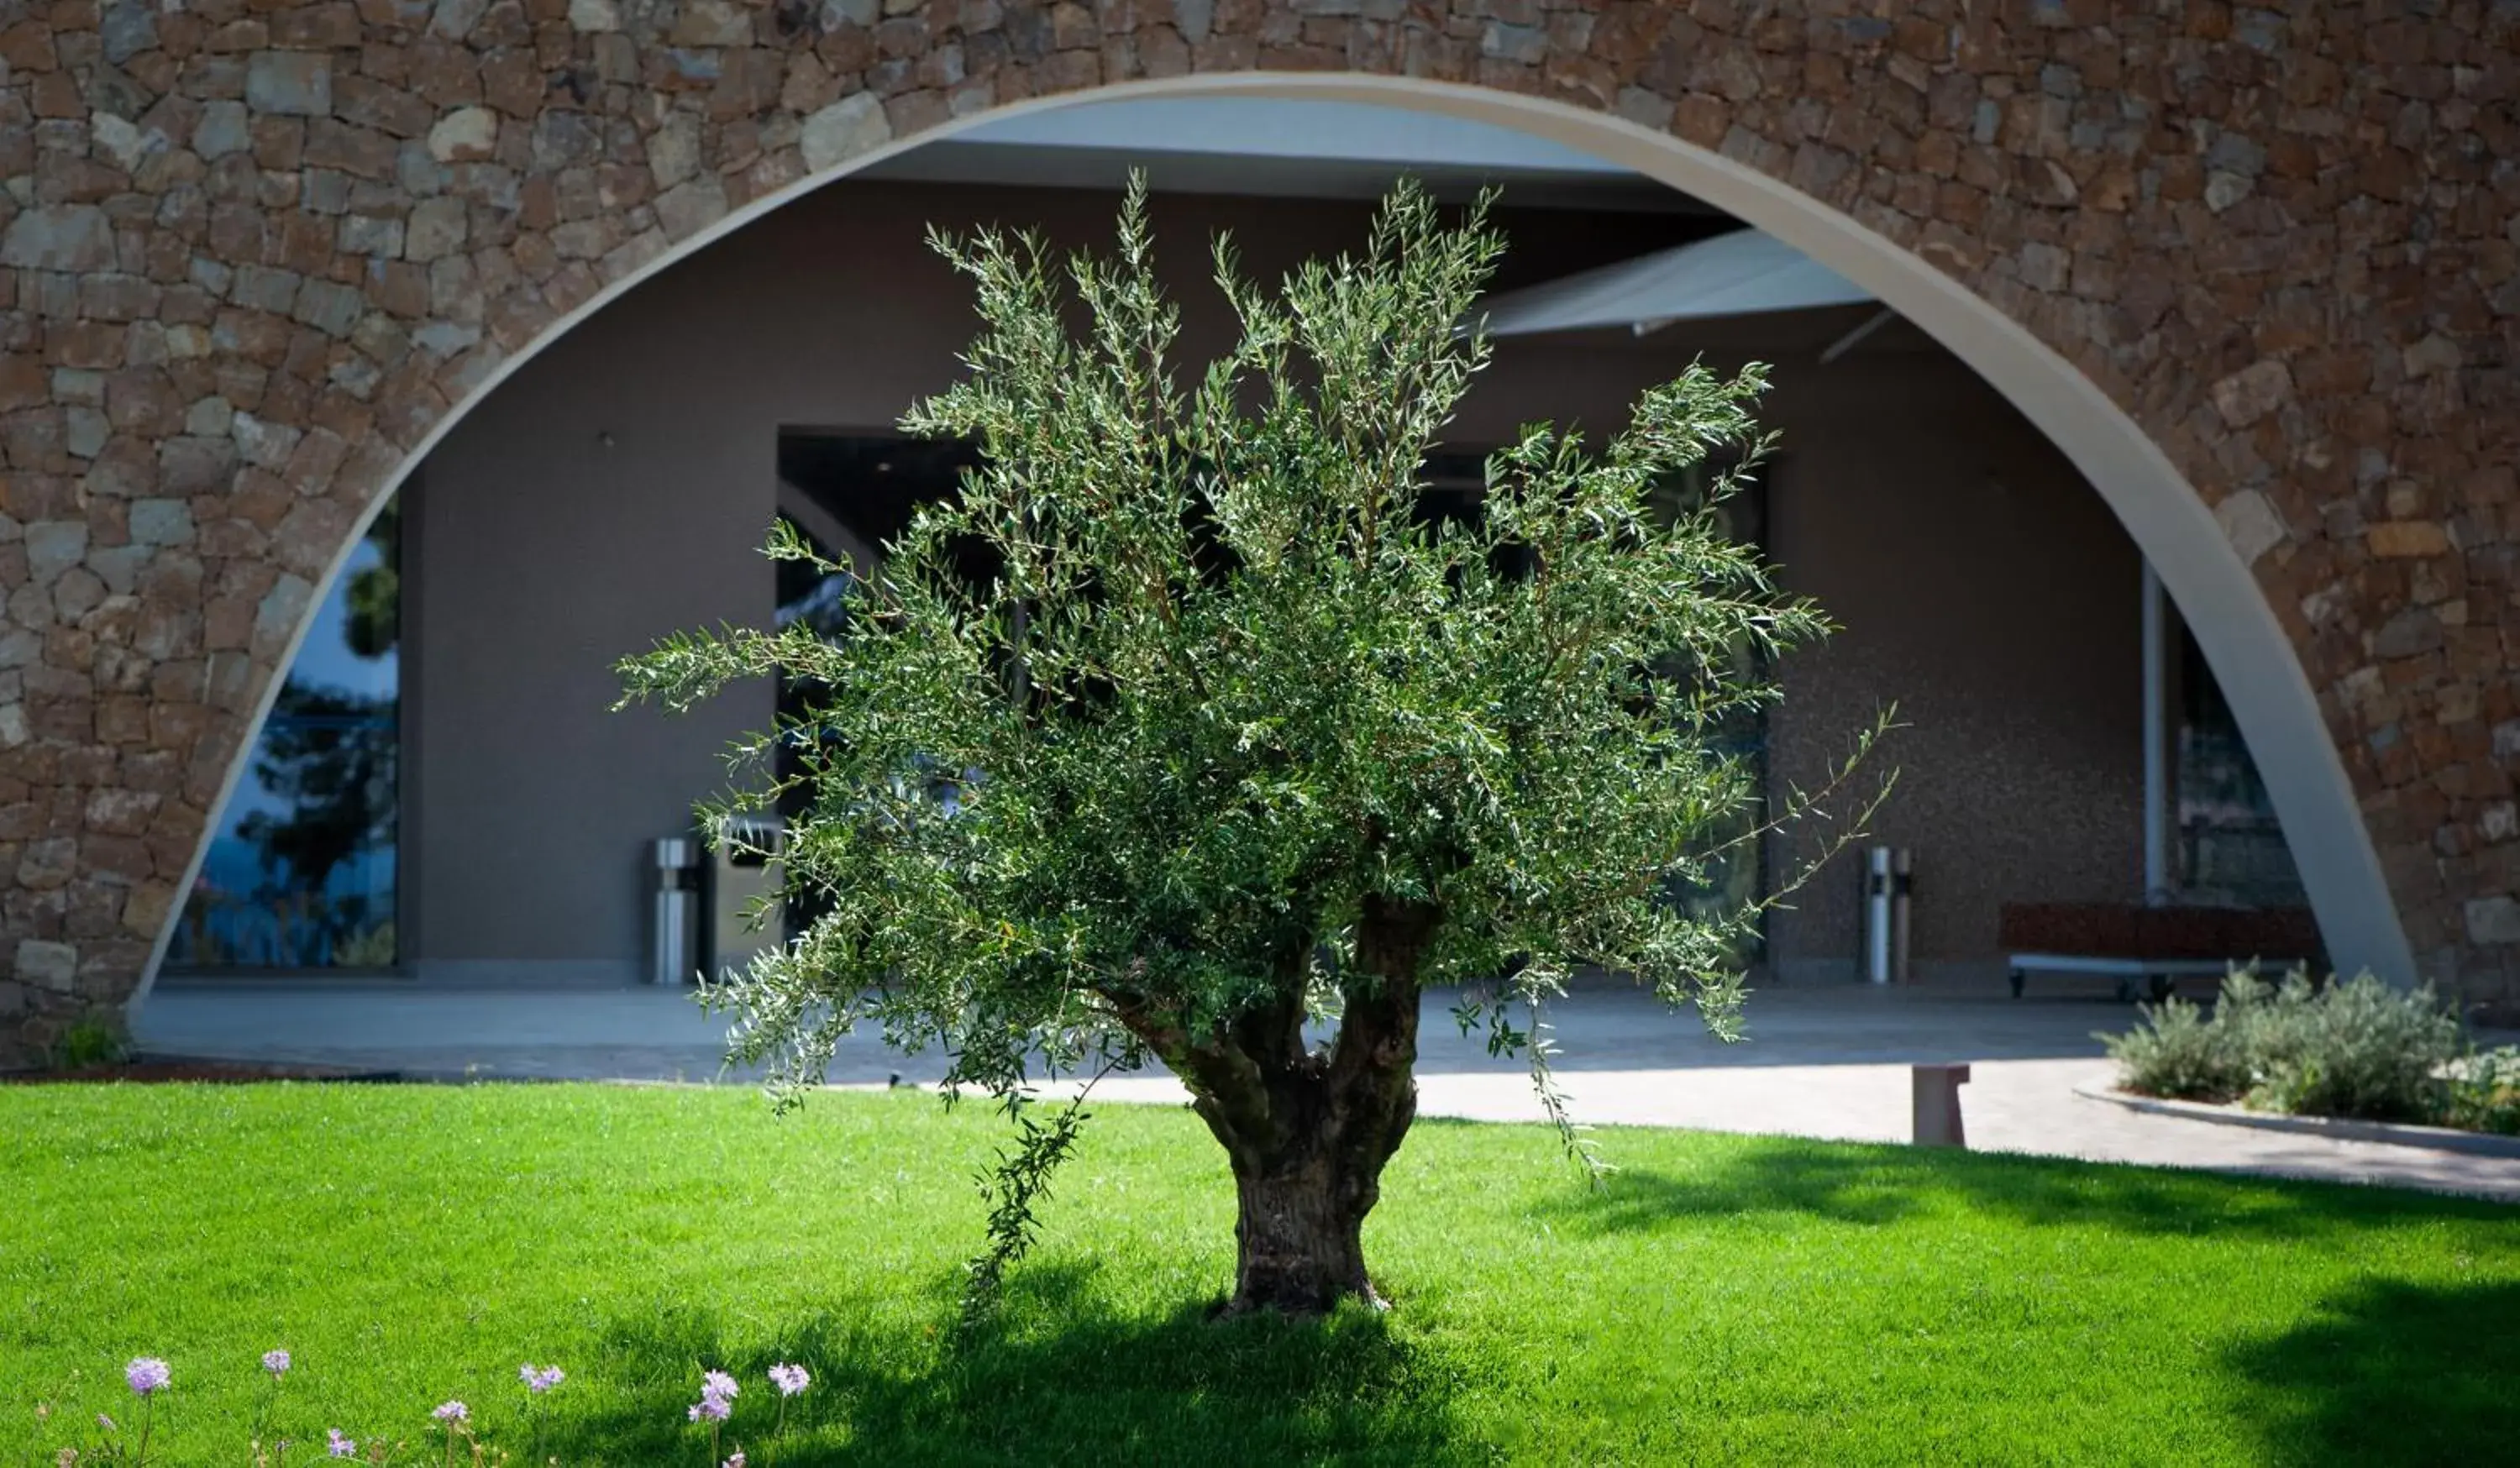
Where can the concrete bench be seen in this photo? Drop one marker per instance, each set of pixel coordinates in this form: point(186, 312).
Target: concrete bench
point(2158, 945)
point(1935, 1105)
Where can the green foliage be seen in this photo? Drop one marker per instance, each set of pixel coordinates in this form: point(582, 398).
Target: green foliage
point(373, 946)
point(2356, 1047)
point(88, 1043)
point(1234, 683)
point(2483, 1092)
point(1020, 1180)
point(2175, 1051)
point(374, 627)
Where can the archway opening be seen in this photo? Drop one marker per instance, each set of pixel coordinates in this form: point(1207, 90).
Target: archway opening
point(1607, 190)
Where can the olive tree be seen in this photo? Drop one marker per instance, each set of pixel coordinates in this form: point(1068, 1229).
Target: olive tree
point(1192, 729)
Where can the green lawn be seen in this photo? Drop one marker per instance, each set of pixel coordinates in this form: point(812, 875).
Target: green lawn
point(1726, 1299)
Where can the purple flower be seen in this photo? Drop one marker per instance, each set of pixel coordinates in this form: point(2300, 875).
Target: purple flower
point(790, 1380)
point(542, 1378)
point(736, 1461)
point(105, 1422)
point(717, 1391)
point(452, 1412)
point(341, 1446)
point(146, 1375)
point(274, 1362)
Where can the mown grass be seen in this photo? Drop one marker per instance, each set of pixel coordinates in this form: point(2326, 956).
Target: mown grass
point(1726, 1299)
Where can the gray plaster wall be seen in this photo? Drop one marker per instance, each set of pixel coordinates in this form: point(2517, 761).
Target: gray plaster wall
point(617, 487)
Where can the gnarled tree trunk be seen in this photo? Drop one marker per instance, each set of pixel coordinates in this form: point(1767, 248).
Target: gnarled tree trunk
point(1309, 1173)
point(1308, 1133)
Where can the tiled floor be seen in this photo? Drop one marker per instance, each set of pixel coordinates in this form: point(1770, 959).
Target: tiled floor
point(1820, 1062)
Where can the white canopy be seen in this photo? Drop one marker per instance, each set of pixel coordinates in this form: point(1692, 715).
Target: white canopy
point(1276, 127)
point(1739, 274)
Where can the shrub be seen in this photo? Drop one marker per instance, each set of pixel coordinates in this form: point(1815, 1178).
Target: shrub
point(2358, 1048)
point(2176, 1052)
point(2483, 1092)
point(86, 1044)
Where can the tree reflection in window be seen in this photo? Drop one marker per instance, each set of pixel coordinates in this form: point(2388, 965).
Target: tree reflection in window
point(302, 871)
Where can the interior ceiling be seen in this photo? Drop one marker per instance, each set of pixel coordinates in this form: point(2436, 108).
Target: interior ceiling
point(1291, 148)
point(1107, 168)
point(1280, 148)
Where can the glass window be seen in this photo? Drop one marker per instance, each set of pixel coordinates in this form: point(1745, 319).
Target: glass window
point(303, 871)
point(868, 487)
point(2231, 847)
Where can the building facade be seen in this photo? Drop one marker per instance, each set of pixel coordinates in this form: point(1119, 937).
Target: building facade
point(257, 261)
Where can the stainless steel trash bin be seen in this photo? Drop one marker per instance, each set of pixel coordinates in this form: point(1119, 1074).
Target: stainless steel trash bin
point(1889, 872)
point(674, 930)
point(746, 913)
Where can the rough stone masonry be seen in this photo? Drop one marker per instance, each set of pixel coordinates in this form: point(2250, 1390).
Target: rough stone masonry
point(252, 251)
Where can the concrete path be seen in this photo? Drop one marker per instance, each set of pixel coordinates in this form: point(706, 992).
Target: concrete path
point(1820, 1062)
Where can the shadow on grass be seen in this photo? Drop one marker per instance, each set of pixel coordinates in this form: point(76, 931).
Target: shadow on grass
point(2391, 1372)
point(1059, 1377)
point(1884, 1184)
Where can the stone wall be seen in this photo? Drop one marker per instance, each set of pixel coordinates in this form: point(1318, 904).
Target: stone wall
point(251, 251)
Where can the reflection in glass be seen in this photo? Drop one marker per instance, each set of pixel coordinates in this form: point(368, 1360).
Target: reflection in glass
point(867, 487)
point(2231, 847)
point(302, 871)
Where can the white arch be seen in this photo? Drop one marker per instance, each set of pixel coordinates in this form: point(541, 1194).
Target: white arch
point(2252, 660)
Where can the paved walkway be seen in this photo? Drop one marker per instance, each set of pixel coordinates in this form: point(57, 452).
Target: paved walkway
point(1821, 1062)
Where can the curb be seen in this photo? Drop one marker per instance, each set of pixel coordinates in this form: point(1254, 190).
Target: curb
point(250, 1072)
point(2335, 1128)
